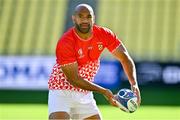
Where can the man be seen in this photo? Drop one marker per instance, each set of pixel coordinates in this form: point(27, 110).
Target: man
point(77, 53)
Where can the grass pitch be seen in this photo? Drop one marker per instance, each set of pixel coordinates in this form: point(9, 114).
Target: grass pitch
point(40, 112)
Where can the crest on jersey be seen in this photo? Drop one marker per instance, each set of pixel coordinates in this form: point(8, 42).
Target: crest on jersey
point(100, 47)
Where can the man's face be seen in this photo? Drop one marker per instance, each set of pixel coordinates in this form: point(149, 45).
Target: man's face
point(83, 20)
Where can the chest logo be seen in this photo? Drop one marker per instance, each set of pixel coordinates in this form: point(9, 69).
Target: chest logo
point(80, 52)
point(100, 47)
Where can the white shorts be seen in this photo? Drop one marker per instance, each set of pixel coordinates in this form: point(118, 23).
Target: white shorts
point(78, 105)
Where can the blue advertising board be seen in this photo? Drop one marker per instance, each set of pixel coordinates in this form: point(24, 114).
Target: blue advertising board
point(32, 72)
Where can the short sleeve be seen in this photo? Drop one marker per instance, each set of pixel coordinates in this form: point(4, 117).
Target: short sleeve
point(65, 52)
point(111, 39)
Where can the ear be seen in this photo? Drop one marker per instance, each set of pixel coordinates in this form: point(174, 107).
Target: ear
point(73, 18)
point(94, 17)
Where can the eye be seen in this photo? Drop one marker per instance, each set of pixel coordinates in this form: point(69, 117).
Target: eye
point(89, 16)
point(80, 16)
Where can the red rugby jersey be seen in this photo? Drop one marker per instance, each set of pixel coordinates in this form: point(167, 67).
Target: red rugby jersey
point(71, 48)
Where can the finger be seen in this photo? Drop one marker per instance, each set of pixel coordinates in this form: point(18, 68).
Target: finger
point(138, 96)
point(114, 102)
point(138, 100)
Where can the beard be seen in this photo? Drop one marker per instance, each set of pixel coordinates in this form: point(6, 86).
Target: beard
point(81, 29)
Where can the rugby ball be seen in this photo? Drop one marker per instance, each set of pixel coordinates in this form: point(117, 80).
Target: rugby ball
point(127, 100)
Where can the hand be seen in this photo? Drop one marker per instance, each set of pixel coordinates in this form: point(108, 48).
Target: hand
point(136, 90)
point(120, 105)
point(110, 97)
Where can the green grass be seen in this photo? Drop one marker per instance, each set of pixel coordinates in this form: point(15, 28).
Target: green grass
point(40, 112)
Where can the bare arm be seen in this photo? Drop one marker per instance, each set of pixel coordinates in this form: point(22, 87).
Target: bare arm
point(128, 65)
point(71, 72)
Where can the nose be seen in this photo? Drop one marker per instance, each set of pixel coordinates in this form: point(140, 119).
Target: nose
point(84, 20)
